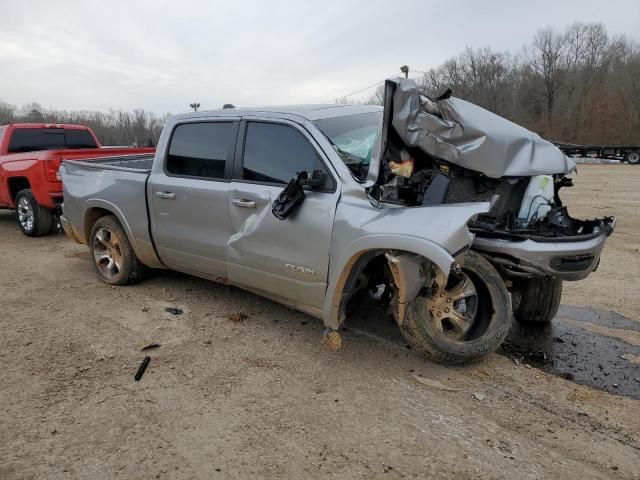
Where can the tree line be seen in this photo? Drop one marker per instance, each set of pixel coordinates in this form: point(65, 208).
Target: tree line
point(137, 128)
point(579, 85)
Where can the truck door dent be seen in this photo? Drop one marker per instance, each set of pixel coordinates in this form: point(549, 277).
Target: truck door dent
point(244, 225)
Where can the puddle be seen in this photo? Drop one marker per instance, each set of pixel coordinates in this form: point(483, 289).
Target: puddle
point(591, 347)
point(583, 345)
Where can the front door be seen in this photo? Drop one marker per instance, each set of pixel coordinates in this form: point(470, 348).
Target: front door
point(189, 198)
point(286, 258)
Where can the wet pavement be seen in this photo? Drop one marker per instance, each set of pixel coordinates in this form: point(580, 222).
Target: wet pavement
point(591, 347)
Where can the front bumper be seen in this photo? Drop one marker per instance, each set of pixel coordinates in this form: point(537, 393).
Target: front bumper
point(567, 260)
point(68, 229)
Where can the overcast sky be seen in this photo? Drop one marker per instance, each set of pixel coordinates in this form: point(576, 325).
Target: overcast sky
point(162, 55)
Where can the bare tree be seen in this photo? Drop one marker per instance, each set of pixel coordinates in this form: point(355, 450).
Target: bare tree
point(579, 85)
point(548, 57)
point(113, 128)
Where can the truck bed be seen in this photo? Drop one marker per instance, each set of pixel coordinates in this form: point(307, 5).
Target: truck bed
point(115, 183)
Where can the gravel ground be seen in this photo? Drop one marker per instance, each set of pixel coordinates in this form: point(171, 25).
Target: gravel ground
point(240, 387)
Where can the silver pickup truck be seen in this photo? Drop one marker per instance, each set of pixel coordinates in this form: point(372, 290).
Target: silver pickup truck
point(443, 210)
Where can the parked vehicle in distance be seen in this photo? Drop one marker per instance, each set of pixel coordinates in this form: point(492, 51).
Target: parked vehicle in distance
point(313, 206)
point(30, 154)
point(624, 153)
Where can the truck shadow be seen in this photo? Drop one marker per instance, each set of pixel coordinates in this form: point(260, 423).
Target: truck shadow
point(7, 218)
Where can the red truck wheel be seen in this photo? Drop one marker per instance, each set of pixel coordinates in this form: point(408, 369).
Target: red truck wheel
point(34, 220)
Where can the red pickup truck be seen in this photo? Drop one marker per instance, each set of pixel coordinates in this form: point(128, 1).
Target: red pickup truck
point(30, 154)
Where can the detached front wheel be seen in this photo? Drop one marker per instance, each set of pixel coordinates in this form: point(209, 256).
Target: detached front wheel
point(463, 321)
point(113, 258)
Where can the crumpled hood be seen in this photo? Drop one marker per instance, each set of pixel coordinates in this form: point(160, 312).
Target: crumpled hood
point(464, 134)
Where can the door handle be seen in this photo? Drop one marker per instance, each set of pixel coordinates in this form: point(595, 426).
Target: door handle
point(242, 203)
point(166, 195)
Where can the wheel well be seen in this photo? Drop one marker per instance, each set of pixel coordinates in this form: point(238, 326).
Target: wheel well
point(402, 273)
point(91, 217)
point(16, 184)
point(368, 266)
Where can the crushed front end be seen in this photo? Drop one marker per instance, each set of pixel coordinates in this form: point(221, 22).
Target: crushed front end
point(444, 150)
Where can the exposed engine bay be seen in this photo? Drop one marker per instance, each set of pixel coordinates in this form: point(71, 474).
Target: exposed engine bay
point(522, 206)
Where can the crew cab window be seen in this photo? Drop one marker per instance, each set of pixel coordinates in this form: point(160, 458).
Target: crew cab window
point(201, 149)
point(35, 139)
point(275, 153)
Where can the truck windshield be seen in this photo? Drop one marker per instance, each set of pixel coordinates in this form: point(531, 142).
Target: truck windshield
point(353, 136)
point(34, 139)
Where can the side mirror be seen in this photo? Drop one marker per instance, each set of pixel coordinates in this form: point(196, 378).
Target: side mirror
point(315, 180)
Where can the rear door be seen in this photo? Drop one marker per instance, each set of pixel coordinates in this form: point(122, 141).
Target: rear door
point(287, 258)
point(189, 198)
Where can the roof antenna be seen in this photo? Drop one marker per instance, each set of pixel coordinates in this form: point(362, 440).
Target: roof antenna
point(227, 106)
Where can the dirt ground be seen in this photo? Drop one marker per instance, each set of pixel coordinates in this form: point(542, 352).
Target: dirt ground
point(257, 397)
point(609, 190)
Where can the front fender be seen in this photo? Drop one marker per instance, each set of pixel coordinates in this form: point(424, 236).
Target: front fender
point(436, 233)
point(340, 271)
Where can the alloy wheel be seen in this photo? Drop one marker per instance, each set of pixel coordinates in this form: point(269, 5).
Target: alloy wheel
point(453, 309)
point(107, 252)
point(25, 214)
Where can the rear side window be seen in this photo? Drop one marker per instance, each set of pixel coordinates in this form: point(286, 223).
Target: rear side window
point(275, 153)
point(201, 149)
point(34, 139)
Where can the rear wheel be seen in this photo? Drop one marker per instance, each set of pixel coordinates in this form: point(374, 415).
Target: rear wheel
point(465, 320)
point(536, 300)
point(113, 258)
point(34, 220)
point(633, 157)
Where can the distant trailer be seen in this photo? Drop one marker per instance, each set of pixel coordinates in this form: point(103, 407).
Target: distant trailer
point(624, 154)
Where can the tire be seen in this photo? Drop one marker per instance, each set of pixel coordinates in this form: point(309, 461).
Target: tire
point(536, 300)
point(430, 324)
point(33, 219)
point(632, 157)
point(113, 258)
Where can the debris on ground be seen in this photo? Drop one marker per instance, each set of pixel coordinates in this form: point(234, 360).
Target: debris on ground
point(331, 340)
point(143, 367)
point(173, 310)
point(151, 346)
point(238, 317)
point(478, 396)
point(435, 384)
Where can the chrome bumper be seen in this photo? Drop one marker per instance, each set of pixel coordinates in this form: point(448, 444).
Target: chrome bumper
point(567, 260)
